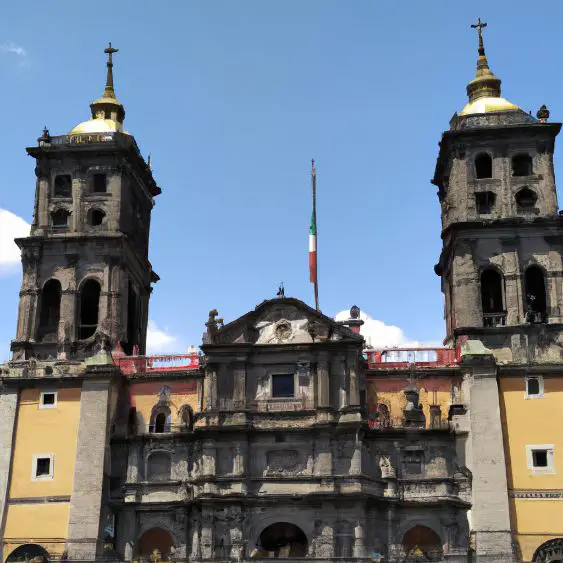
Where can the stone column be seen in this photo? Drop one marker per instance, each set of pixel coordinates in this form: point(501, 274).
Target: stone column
point(195, 550)
point(466, 284)
point(84, 537)
point(207, 532)
point(210, 388)
point(353, 378)
point(323, 381)
point(485, 454)
point(133, 463)
point(513, 299)
point(126, 533)
point(241, 455)
point(208, 458)
point(42, 217)
point(323, 456)
point(8, 414)
point(356, 461)
point(239, 388)
point(79, 185)
point(359, 538)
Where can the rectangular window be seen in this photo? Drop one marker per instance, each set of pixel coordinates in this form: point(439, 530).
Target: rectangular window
point(485, 202)
point(534, 387)
point(540, 458)
point(283, 385)
point(412, 461)
point(100, 183)
point(48, 400)
point(42, 467)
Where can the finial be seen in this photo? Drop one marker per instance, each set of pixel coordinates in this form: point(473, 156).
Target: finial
point(543, 114)
point(479, 27)
point(45, 138)
point(281, 291)
point(485, 84)
point(109, 91)
point(149, 161)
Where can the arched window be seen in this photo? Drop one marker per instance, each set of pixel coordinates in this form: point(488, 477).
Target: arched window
point(50, 307)
point(422, 544)
point(551, 551)
point(89, 305)
point(526, 198)
point(159, 467)
point(187, 417)
point(95, 217)
point(492, 298)
point(535, 295)
point(29, 552)
point(282, 539)
point(59, 219)
point(63, 186)
point(522, 165)
point(161, 423)
point(155, 539)
point(483, 166)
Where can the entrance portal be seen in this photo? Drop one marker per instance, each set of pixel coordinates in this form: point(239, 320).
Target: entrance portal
point(30, 552)
point(281, 539)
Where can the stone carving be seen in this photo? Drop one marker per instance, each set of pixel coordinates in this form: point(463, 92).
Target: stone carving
point(283, 462)
point(387, 470)
point(283, 330)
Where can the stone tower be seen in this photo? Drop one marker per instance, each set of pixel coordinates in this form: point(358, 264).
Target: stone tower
point(86, 274)
point(501, 259)
point(500, 268)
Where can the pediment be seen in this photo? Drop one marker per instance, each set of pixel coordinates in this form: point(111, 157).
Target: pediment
point(282, 321)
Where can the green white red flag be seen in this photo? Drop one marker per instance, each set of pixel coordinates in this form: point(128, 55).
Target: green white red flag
point(313, 232)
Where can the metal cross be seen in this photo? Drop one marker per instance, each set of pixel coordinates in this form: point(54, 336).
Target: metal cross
point(479, 27)
point(110, 51)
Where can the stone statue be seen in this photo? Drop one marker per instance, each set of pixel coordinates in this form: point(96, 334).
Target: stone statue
point(387, 470)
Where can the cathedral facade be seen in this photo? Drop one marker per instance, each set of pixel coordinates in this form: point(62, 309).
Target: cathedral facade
point(285, 437)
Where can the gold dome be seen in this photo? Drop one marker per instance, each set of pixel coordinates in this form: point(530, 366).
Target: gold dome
point(98, 126)
point(484, 90)
point(488, 105)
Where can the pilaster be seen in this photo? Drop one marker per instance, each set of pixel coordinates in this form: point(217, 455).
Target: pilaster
point(84, 540)
point(8, 413)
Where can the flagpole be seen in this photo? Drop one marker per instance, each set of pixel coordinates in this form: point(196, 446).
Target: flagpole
point(314, 186)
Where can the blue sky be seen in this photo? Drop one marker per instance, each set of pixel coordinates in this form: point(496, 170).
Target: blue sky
point(233, 99)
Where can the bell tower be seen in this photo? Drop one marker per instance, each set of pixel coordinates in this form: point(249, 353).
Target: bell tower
point(500, 263)
point(86, 274)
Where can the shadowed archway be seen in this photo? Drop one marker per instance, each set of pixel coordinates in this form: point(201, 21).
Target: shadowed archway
point(280, 540)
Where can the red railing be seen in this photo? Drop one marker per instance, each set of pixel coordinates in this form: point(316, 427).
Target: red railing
point(403, 357)
point(147, 364)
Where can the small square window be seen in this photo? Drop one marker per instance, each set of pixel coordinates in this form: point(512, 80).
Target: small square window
point(540, 458)
point(485, 202)
point(534, 387)
point(412, 462)
point(283, 385)
point(100, 183)
point(48, 400)
point(42, 468)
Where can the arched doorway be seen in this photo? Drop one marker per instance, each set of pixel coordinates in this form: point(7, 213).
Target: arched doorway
point(155, 539)
point(279, 540)
point(29, 552)
point(422, 544)
point(549, 552)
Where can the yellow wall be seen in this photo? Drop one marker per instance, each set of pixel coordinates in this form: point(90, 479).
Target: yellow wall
point(537, 521)
point(43, 524)
point(528, 422)
point(45, 431)
point(389, 391)
point(144, 396)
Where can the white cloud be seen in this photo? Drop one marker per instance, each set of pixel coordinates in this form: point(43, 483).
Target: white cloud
point(11, 47)
point(11, 227)
point(378, 335)
point(160, 341)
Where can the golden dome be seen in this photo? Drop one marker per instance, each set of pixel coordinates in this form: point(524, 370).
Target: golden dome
point(484, 90)
point(488, 105)
point(96, 126)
